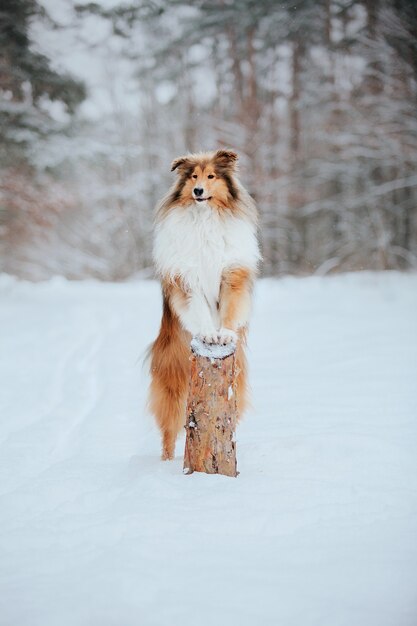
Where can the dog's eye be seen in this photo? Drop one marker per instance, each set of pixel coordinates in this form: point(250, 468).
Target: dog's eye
point(210, 176)
point(194, 175)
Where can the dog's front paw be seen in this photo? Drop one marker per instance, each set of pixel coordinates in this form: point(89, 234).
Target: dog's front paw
point(209, 338)
point(226, 336)
point(222, 337)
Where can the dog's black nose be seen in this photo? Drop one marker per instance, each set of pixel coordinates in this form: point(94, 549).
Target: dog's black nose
point(198, 191)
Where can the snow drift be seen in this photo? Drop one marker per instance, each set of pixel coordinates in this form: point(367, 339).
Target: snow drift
point(318, 529)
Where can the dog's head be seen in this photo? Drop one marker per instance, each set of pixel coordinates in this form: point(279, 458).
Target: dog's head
point(206, 177)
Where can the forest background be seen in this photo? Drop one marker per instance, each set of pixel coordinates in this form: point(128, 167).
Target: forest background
point(318, 97)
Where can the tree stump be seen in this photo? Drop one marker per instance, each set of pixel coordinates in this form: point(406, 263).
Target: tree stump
point(210, 445)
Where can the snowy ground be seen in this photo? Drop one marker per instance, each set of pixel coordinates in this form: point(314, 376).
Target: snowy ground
point(319, 529)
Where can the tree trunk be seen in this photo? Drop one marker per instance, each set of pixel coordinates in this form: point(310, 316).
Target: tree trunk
point(211, 411)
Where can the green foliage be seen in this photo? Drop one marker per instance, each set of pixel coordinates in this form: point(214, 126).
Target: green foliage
point(123, 16)
point(27, 80)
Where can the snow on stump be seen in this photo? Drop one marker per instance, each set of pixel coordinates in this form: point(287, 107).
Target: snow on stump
point(211, 410)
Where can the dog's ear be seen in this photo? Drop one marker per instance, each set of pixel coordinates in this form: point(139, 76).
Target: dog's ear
point(180, 163)
point(226, 158)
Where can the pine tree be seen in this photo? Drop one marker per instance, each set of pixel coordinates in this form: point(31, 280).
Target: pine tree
point(26, 80)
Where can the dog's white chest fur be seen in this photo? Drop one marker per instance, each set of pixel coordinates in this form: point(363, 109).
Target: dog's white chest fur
point(198, 244)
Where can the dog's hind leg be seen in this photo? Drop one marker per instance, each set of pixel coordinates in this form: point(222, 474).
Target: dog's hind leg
point(168, 406)
point(243, 402)
point(170, 376)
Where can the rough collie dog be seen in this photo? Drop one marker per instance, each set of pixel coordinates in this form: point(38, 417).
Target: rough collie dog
point(206, 255)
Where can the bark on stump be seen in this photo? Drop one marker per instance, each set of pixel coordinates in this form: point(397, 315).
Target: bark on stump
point(211, 410)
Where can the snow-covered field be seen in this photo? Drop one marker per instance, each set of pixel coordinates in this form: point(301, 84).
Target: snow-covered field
point(319, 529)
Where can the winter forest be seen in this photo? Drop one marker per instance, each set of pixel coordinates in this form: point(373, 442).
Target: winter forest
point(318, 97)
point(310, 517)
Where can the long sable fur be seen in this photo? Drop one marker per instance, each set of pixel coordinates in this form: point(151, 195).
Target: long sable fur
point(170, 352)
